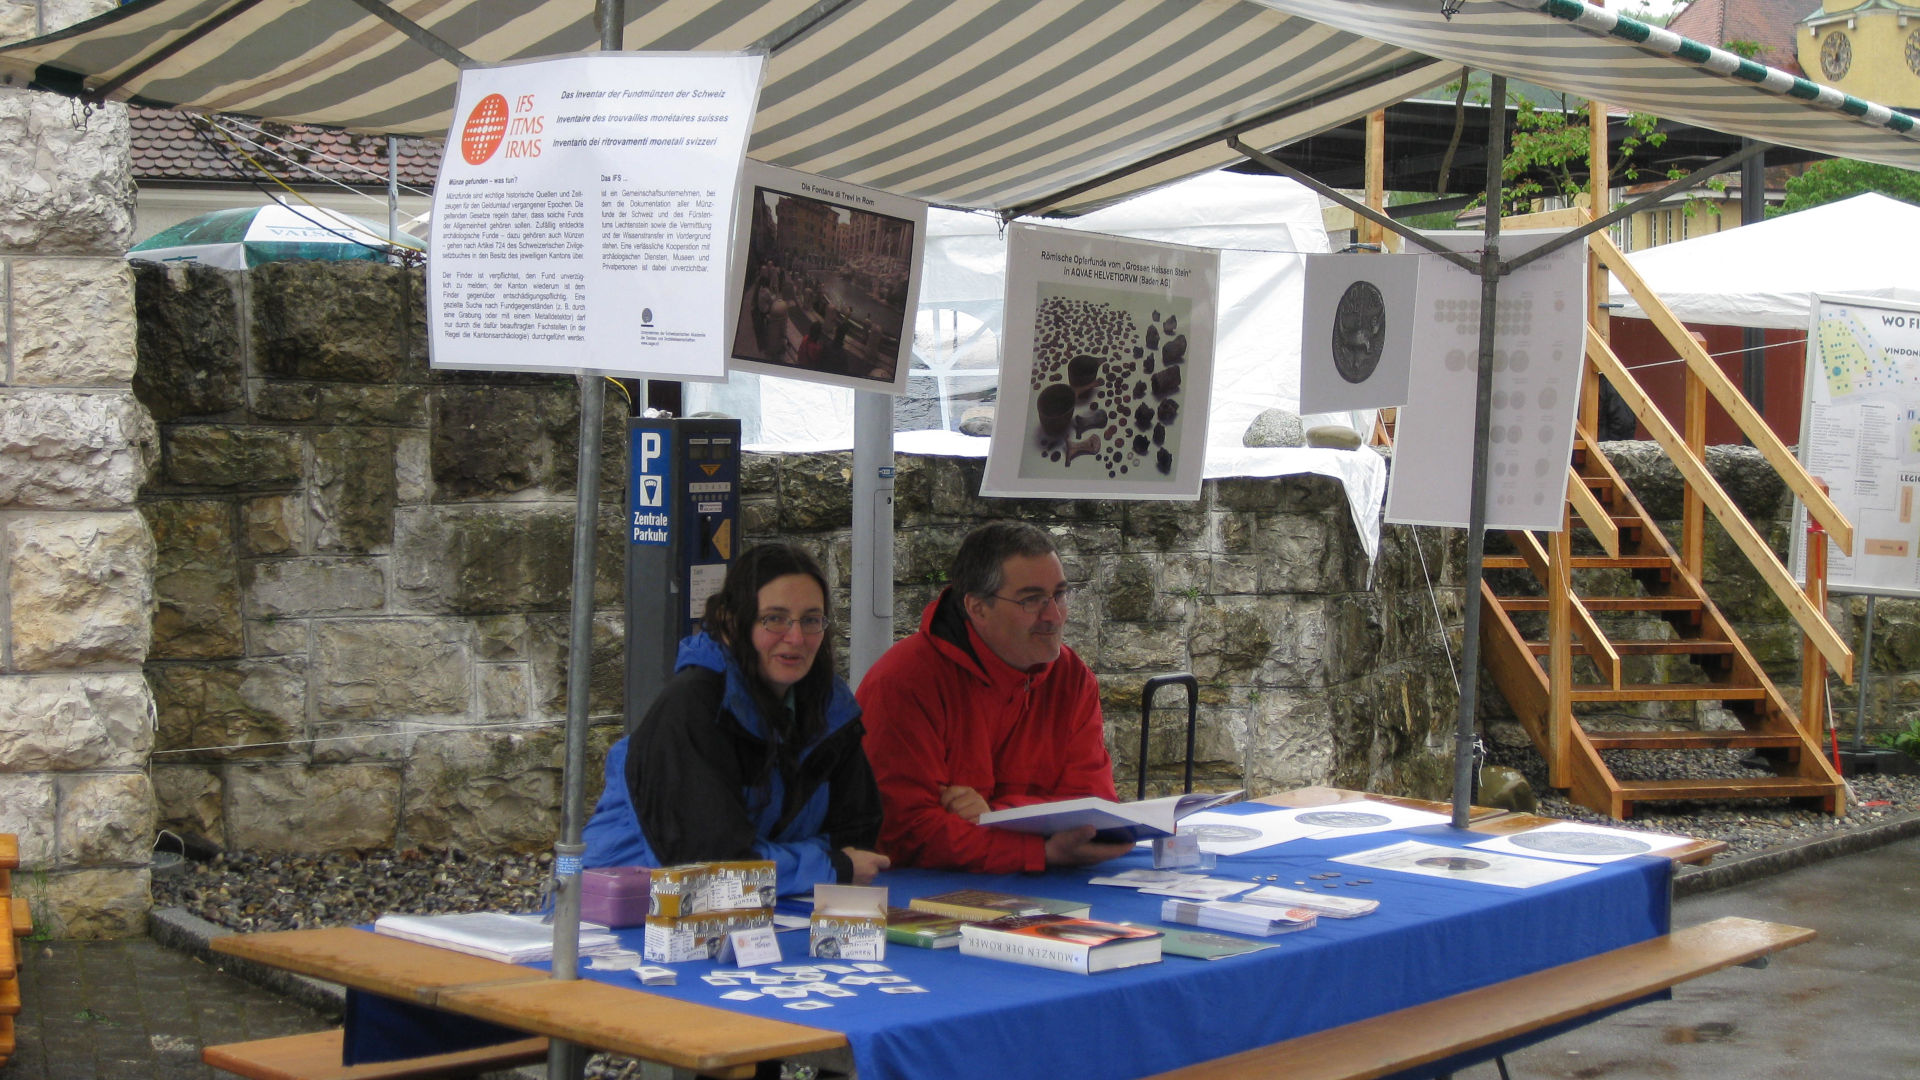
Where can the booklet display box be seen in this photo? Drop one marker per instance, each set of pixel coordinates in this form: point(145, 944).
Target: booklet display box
point(696, 937)
point(849, 923)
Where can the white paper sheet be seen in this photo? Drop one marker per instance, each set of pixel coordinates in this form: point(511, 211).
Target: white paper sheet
point(1360, 817)
point(1575, 841)
point(1454, 864)
point(1237, 834)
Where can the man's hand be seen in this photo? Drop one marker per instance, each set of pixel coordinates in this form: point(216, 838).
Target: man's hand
point(866, 864)
point(964, 802)
point(1077, 847)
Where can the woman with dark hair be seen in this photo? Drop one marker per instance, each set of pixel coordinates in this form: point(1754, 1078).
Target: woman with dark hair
point(752, 749)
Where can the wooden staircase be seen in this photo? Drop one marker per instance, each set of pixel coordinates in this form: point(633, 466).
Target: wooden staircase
point(1602, 639)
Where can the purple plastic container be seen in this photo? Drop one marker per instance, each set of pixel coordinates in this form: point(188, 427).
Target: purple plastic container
point(615, 896)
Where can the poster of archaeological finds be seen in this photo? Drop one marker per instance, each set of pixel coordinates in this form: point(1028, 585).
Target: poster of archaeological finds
point(825, 279)
point(1106, 367)
point(582, 215)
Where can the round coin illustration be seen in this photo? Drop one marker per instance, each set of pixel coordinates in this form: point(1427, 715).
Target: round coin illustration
point(1574, 843)
point(1359, 331)
point(1344, 819)
point(1457, 864)
point(1220, 834)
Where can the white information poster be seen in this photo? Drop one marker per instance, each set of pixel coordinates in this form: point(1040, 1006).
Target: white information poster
point(1860, 432)
point(581, 219)
point(1106, 367)
point(1356, 340)
point(1539, 343)
point(826, 278)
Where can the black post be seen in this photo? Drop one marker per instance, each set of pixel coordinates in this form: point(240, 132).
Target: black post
point(1477, 511)
point(1753, 340)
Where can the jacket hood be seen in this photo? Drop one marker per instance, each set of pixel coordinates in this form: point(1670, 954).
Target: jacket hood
point(704, 651)
point(946, 624)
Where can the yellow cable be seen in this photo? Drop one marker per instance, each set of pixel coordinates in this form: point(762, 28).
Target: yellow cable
point(622, 387)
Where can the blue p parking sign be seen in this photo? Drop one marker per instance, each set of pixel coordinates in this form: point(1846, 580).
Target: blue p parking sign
point(648, 504)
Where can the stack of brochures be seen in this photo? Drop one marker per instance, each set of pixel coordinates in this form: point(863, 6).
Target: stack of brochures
point(1237, 917)
point(513, 939)
point(1333, 907)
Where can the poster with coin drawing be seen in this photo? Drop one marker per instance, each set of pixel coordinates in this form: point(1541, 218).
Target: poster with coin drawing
point(1356, 335)
point(1106, 367)
point(1539, 344)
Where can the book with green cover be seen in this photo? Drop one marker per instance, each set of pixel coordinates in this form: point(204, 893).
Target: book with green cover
point(980, 905)
point(922, 929)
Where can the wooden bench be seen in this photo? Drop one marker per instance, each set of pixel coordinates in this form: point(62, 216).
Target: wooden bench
point(1477, 1019)
point(22, 920)
point(316, 1056)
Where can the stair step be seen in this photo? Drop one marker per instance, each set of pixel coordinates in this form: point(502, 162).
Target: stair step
point(1674, 647)
point(1607, 603)
point(1585, 562)
point(1668, 692)
point(1764, 787)
point(1688, 740)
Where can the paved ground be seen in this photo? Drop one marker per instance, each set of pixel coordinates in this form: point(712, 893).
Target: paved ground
point(1846, 1004)
point(128, 1010)
point(1841, 1006)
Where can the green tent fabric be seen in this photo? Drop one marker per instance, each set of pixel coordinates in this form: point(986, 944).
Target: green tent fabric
point(250, 235)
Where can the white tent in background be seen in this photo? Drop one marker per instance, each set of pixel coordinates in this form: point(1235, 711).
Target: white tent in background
point(1263, 225)
point(1765, 274)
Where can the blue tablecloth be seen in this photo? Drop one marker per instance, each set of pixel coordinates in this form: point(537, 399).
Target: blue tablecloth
point(1429, 939)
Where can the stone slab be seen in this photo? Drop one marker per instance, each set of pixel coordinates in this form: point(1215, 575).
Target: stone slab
point(80, 589)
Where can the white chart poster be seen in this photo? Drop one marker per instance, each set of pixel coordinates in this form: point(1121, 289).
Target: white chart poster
point(581, 219)
point(1106, 369)
point(826, 278)
point(1356, 339)
point(1539, 343)
point(1860, 432)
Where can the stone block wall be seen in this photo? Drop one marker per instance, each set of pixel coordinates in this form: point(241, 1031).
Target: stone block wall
point(76, 558)
point(362, 568)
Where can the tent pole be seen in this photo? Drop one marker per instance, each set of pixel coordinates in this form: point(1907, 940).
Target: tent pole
point(870, 606)
point(1463, 737)
point(565, 1060)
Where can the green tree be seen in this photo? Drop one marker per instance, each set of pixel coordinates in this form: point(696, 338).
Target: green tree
point(1842, 178)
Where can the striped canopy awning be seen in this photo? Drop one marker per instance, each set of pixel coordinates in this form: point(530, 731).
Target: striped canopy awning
point(1011, 105)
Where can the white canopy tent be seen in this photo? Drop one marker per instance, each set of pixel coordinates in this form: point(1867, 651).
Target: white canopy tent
point(1765, 274)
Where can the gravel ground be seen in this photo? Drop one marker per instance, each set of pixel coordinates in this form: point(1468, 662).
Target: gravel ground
point(1745, 826)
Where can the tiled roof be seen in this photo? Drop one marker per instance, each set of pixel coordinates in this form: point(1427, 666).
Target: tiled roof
point(167, 148)
point(1767, 22)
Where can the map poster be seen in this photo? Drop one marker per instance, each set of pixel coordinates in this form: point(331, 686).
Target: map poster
point(826, 277)
point(1860, 432)
point(1539, 343)
point(581, 219)
point(1106, 367)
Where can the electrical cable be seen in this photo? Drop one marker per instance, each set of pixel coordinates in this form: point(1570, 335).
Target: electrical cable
point(205, 129)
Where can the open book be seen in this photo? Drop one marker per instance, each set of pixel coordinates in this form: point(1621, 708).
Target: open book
point(1142, 820)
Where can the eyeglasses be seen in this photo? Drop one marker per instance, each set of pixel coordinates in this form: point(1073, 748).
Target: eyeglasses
point(1032, 605)
point(776, 623)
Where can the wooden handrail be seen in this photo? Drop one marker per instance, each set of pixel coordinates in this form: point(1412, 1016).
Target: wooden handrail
point(1592, 514)
point(1543, 564)
point(1812, 622)
point(1839, 530)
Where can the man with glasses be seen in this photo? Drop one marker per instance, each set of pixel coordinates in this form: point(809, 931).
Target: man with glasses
point(986, 708)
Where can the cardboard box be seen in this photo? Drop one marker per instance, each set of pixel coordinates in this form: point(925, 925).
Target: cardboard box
point(849, 922)
point(672, 940)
